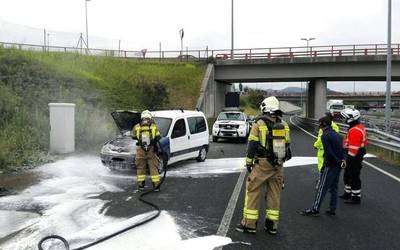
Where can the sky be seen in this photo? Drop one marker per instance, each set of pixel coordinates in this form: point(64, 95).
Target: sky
point(147, 24)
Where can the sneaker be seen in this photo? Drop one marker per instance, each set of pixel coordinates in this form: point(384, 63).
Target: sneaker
point(270, 227)
point(310, 212)
point(243, 229)
point(345, 196)
point(330, 212)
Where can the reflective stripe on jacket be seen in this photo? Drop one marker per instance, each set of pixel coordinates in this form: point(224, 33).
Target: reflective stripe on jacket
point(152, 129)
point(355, 139)
point(259, 137)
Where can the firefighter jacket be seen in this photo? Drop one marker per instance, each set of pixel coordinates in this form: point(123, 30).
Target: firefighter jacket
point(260, 139)
point(320, 148)
point(144, 130)
point(356, 140)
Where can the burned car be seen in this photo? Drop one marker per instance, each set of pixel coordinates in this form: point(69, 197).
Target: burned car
point(120, 152)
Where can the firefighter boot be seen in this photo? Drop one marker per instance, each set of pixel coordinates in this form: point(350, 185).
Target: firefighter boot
point(156, 187)
point(345, 196)
point(353, 200)
point(141, 186)
point(243, 229)
point(271, 226)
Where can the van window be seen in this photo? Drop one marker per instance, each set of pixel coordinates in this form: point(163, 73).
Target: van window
point(197, 124)
point(163, 125)
point(179, 129)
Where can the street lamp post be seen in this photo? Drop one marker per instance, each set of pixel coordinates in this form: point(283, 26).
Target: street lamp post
point(232, 45)
point(388, 69)
point(308, 42)
point(308, 45)
point(87, 30)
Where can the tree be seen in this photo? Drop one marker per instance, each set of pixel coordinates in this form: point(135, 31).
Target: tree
point(255, 98)
point(240, 87)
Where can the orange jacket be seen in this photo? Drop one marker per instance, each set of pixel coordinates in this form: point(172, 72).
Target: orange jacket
point(355, 139)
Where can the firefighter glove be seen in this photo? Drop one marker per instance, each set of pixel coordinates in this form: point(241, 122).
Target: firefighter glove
point(249, 164)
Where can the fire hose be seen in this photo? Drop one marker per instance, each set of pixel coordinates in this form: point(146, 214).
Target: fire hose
point(66, 244)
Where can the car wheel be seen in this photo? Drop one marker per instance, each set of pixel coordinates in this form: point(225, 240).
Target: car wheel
point(215, 139)
point(243, 140)
point(202, 154)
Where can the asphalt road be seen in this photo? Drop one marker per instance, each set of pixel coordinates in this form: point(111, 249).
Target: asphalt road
point(374, 224)
point(199, 204)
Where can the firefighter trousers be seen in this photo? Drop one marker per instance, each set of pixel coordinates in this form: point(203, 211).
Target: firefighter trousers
point(143, 159)
point(262, 175)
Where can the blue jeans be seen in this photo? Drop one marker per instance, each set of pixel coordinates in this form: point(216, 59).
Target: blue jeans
point(329, 180)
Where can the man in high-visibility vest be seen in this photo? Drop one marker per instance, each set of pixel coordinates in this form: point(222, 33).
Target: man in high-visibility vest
point(147, 135)
point(354, 143)
point(268, 147)
point(320, 147)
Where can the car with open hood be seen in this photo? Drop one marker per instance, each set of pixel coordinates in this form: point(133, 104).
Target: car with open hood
point(120, 152)
point(184, 135)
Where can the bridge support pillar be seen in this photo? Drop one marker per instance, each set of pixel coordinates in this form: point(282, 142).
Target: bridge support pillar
point(316, 98)
point(212, 94)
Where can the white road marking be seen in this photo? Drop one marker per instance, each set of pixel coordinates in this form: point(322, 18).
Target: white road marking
point(369, 164)
point(230, 209)
point(382, 171)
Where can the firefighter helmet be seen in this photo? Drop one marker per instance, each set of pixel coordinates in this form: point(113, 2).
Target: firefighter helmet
point(146, 114)
point(269, 105)
point(350, 115)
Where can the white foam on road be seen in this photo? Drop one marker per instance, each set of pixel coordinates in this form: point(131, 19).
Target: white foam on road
point(64, 199)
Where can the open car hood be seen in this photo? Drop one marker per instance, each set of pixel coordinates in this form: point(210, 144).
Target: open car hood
point(126, 120)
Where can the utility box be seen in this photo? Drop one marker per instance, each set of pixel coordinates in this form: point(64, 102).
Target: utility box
point(62, 128)
point(232, 99)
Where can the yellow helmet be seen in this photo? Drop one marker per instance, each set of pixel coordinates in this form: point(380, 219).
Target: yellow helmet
point(146, 114)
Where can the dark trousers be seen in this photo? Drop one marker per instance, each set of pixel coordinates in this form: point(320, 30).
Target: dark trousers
point(329, 180)
point(351, 177)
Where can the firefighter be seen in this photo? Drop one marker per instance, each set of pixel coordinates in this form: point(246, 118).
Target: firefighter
point(354, 143)
point(320, 148)
point(268, 147)
point(147, 135)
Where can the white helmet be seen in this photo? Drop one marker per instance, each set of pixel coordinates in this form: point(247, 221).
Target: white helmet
point(146, 114)
point(350, 115)
point(269, 105)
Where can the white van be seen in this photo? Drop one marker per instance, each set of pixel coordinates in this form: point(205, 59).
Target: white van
point(187, 132)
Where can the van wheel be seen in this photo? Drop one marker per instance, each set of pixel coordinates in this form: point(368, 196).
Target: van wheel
point(215, 139)
point(202, 155)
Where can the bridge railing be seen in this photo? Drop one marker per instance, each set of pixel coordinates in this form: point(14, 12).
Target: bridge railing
point(206, 54)
point(312, 51)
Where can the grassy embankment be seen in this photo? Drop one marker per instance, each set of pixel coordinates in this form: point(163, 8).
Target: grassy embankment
point(97, 85)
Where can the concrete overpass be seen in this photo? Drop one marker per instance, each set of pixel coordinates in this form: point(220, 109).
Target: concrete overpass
point(317, 70)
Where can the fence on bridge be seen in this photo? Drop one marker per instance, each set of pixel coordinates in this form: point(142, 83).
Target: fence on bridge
point(206, 54)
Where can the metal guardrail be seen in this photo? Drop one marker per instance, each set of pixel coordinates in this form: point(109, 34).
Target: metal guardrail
point(375, 137)
point(206, 54)
point(312, 51)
